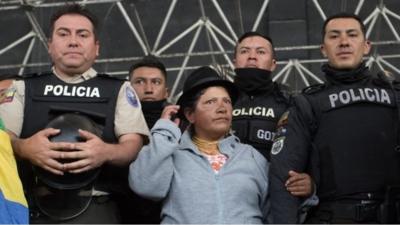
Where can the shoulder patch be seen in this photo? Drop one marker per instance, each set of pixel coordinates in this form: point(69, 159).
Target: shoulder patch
point(313, 88)
point(131, 97)
point(7, 95)
point(283, 120)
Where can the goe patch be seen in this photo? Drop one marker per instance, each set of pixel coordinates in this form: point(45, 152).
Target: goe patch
point(278, 145)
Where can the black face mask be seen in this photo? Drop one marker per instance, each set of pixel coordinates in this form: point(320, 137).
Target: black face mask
point(152, 111)
point(253, 80)
point(345, 75)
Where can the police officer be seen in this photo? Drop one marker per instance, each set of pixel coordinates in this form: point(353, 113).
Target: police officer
point(149, 79)
point(74, 86)
point(261, 101)
point(345, 132)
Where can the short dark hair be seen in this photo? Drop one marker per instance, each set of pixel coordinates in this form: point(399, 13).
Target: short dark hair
point(77, 9)
point(343, 15)
point(149, 61)
point(254, 34)
point(190, 106)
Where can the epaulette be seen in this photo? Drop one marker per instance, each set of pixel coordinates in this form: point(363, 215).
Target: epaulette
point(31, 75)
point(9, 76)
point(284, 91)
point(120, 78)
point(389, 78)
point(313, 89)
point(20, 77)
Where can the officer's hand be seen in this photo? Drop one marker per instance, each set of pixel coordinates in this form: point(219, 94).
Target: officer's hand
point(41, 152)
point(299, 184)
point(87, 155)
point(168, 113)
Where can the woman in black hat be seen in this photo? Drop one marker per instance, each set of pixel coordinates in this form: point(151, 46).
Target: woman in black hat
point(204, 175)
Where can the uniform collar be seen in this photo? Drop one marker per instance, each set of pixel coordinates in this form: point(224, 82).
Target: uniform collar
point(345, 76)
point(90, 73)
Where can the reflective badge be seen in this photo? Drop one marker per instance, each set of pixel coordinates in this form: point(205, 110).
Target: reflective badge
point(7, 95)
point(283, 120)
point(131, 97)
point(277, 146)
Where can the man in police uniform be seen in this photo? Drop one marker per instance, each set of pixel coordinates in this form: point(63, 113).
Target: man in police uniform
point(346, 133)
point(261, 101)
point(73, 85)
point(149, 79)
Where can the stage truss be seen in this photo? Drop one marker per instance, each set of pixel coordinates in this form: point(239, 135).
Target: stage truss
point(221, 37)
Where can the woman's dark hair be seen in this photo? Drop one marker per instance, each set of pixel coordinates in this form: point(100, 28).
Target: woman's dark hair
point(190, 105)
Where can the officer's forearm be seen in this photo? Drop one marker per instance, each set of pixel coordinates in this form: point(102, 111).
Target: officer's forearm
point(126, 150)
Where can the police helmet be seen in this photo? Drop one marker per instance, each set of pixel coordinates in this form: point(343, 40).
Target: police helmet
point(69, 124)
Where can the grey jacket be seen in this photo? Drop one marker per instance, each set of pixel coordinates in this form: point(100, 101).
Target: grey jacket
point(172, 169)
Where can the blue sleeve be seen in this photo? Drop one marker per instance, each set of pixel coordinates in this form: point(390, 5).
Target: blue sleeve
point(150, 175)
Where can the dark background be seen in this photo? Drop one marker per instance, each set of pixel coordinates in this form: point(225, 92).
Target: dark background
point(294, 26)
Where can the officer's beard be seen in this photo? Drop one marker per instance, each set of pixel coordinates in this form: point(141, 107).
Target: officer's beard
point(345, 75)
point(253, 80)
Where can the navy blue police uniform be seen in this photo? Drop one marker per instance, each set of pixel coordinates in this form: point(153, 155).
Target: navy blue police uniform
point(258, 109)
point(345, 134)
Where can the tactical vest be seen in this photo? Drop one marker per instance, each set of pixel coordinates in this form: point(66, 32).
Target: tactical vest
point(255, 118)
point(46, 96)
point(355, 139)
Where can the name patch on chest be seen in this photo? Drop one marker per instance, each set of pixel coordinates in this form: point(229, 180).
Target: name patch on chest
point(72, 91)
point(254, 111)
point(349, 96)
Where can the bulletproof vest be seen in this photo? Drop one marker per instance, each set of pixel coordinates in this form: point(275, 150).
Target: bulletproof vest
point(355, 139)
point(46, 97)
point(255, 118)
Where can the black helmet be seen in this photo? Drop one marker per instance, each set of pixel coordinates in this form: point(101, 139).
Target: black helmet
point(67, 196)
point(69, 124)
